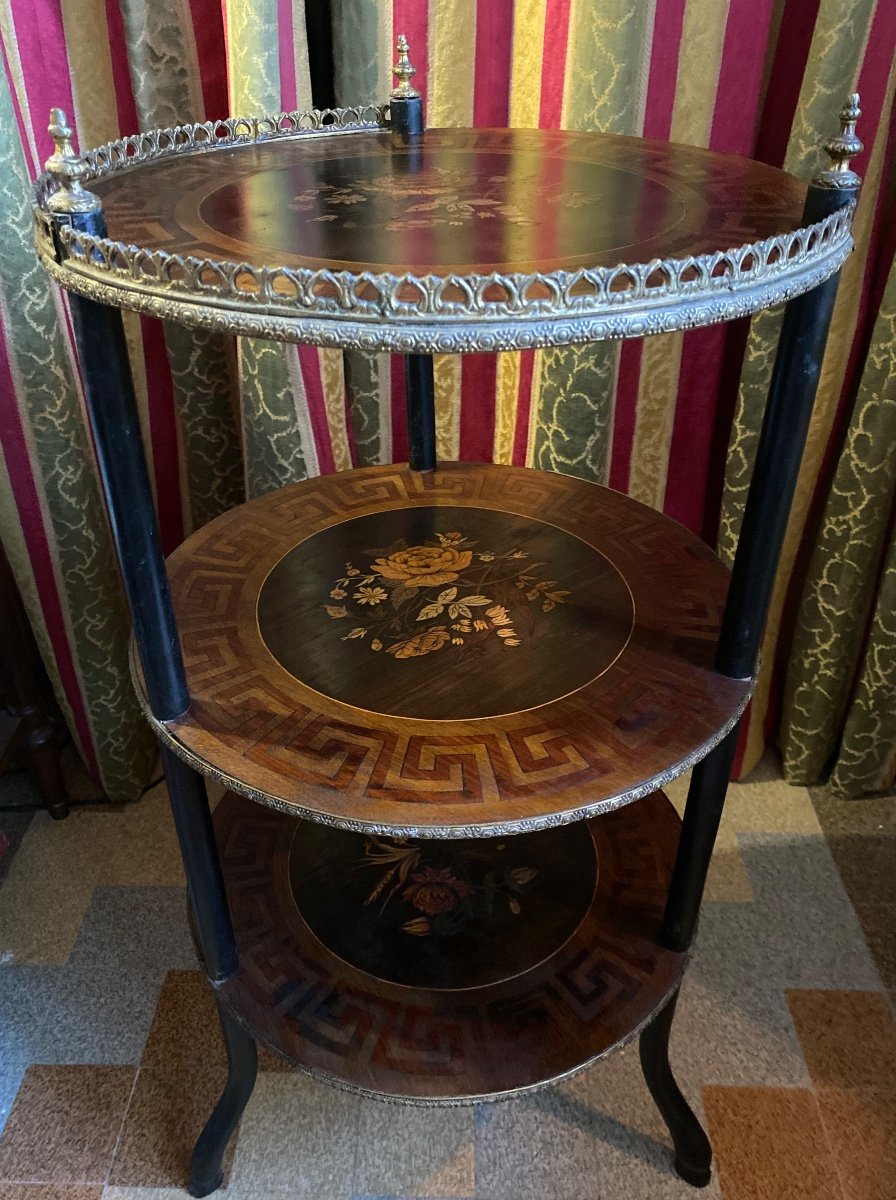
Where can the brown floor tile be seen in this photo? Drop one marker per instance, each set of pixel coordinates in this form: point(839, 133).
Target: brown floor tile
point(166, 1115)
point(185, 1033)
point(273, 1062)
point(64, 1124)
point(865, 863)
point(50, 1191)
point(878, 922)
point(770, 1144)
point(861, 1126)
point(871, 815)
point(848, 1038)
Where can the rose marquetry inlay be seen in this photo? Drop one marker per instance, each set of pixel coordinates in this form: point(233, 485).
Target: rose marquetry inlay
point(384, 611)
point(610, 692)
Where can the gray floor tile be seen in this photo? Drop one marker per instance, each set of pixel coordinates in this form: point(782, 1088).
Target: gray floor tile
point(801, 931)
point(129, 928)
point(730, 1035)
point(98, 1006)
point(557, 1144)
point(297, 1140)
point(11, 1073)
point(414, 1151)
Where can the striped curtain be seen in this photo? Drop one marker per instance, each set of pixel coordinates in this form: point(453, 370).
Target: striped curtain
point(225, 418)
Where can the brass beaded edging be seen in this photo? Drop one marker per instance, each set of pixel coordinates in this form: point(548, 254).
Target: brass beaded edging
point(355, 1089)
point(128, 277)
point(447, 832)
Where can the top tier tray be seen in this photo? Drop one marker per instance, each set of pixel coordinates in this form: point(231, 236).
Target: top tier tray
point(329, 227)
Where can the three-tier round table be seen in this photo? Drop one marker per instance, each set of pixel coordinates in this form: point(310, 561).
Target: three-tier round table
point(443, 697)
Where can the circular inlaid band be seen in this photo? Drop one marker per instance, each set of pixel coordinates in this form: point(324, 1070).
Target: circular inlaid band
point(449, 986)
point(580, 690)
point(454, 202)
point(461, 241)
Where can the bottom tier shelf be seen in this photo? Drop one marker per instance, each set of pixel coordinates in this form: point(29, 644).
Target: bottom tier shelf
point(447, 972)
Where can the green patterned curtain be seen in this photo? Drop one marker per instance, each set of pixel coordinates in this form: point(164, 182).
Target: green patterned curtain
point(223, 418)
point(847, 621)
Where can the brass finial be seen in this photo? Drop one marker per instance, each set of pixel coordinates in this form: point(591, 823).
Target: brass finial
point(68, 168)
point(841, 148)
point(404, 72)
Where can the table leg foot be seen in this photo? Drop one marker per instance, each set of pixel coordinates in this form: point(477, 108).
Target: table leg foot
point(206, 1174)
point(693, 1153)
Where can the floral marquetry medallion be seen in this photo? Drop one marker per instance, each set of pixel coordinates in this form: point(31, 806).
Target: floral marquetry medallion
point(474, 651)
point(434, 196)
point(507, 612)
point(442, 914)
point(391, 597)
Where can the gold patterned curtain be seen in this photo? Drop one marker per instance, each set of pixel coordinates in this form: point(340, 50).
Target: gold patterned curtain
point(223, 418)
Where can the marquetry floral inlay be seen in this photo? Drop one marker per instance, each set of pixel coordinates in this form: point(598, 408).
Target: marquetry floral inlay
point(433, 196)
point(434, 890)
point(409, 601)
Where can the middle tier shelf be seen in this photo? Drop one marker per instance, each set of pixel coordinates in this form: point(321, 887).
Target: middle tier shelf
point(474, 651)
point(447, 972)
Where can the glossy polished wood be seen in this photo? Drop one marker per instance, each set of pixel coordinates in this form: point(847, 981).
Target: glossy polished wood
point(585, 971)
point(458, 200)
point(472, 567)
point(539, 689)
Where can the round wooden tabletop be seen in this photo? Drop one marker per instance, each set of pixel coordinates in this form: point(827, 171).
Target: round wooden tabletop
point(478, 650)
point(447, 972)
point(457, 200)
point(457, 240)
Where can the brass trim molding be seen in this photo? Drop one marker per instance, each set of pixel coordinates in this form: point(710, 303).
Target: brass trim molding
point(167, 735)
point(407, 1101)
point(371, 310)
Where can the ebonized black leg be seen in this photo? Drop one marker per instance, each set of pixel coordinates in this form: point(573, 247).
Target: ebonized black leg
point(116, 430)
point(206, 1174)
point(202, 866)
point(420, 388)
point(693, 1153)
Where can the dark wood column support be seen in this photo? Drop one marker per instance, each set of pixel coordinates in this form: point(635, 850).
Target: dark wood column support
point(406, 121)
point(420, 389)
point(112, 413)
point(206, 1174)
point(782, 440)
point(693, 1153)
point(791, 397)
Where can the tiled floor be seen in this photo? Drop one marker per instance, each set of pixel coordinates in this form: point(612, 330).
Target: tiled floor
point(784, 1039)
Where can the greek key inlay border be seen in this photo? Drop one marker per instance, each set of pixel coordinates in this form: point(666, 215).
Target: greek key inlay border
point(484, 829)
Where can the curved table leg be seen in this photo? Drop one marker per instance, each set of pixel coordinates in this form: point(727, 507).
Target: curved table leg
point(242, 1063)
point(693, 1153)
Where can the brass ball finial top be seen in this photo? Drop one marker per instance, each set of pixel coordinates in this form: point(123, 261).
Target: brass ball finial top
point(841, 148)
point(68, 168)
point(404, 72)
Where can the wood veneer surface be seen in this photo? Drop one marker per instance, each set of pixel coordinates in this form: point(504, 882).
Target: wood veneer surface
point(457, 200)
point(584, 971)
point(478, 648)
